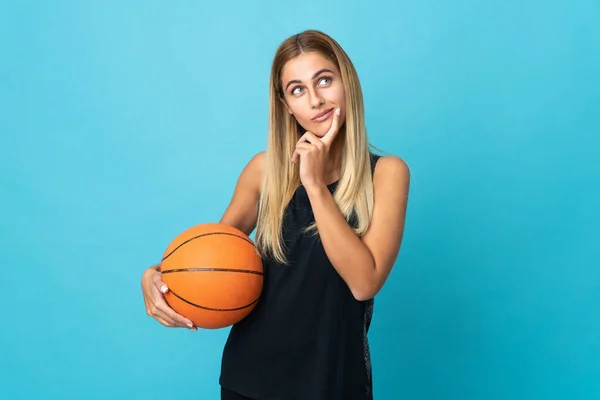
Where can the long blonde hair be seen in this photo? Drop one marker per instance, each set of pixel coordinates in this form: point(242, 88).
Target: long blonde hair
point(354, 190)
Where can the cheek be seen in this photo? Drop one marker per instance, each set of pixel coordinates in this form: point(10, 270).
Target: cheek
point(297, 109)
point(341, 98)
point(302, 113)
point(302, 118)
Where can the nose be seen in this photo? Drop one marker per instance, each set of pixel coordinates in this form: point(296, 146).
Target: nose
point(316, 100)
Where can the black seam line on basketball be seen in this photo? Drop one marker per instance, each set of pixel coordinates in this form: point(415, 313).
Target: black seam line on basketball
point(208, 234)
point(243, 271)
point(212, 309)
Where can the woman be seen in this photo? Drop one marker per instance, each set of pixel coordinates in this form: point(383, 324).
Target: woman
point(329, 218)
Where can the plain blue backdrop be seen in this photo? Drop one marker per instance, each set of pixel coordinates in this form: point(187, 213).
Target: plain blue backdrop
point(124, 123)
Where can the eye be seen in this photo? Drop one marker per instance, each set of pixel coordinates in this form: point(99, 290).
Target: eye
point(297, 89)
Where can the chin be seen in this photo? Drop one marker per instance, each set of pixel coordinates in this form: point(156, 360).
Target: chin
point(317, 129)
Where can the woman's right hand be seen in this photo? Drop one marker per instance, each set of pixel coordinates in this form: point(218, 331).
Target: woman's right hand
point(156, 307)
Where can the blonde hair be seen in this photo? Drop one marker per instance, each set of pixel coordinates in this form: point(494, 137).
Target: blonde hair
point(354, 190)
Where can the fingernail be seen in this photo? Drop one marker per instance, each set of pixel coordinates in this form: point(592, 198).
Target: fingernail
point(163, 288)
point(190, 325)
point(338, 111)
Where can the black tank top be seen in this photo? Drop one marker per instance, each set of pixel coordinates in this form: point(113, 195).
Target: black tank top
point(307, 337)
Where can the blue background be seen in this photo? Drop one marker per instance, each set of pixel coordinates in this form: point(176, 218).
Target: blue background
point(124, 123)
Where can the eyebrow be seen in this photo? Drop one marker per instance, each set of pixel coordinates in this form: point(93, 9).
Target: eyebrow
point(313, 77)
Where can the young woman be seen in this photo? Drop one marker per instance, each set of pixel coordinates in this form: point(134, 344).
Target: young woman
point(329, 217)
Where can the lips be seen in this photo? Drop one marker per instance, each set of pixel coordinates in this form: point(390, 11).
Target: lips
point(320, 116)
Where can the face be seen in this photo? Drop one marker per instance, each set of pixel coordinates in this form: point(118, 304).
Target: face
point(312, 86)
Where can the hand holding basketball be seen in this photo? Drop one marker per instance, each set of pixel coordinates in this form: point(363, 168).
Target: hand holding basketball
point(214, 274)
point(156, 307)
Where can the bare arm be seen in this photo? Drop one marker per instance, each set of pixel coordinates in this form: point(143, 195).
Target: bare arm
point(365, 263)
point(242, 211)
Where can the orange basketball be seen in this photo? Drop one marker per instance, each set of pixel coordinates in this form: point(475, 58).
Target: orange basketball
point(214, 275)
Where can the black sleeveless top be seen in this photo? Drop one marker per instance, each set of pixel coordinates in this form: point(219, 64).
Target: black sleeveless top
point(307, 337)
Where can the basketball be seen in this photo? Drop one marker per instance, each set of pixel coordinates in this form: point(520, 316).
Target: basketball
point(214, 275)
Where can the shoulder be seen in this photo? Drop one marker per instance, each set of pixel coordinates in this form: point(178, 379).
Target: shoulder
point(258, 161)
point(391, 168)
point(391, 178)
point(255, 169)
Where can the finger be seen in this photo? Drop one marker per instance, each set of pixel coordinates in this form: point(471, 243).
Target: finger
point(311, 138)
point(305, 145)
point(147, 305)
point(161, 317)
point(295, 156)
point(334, 129)
point(300, 149)
point(302, 138)
point(167, 312)
point(169, 324)
point(165, 322)
point(164, 318)
point(159, 284)
point(157, 308)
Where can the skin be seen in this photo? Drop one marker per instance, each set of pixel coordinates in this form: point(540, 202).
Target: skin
point(364, 263)
point(312, 84)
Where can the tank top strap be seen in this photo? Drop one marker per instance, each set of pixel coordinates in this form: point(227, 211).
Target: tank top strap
point(374, 158)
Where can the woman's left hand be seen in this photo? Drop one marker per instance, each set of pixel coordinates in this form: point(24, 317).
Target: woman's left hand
point(312, 153)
